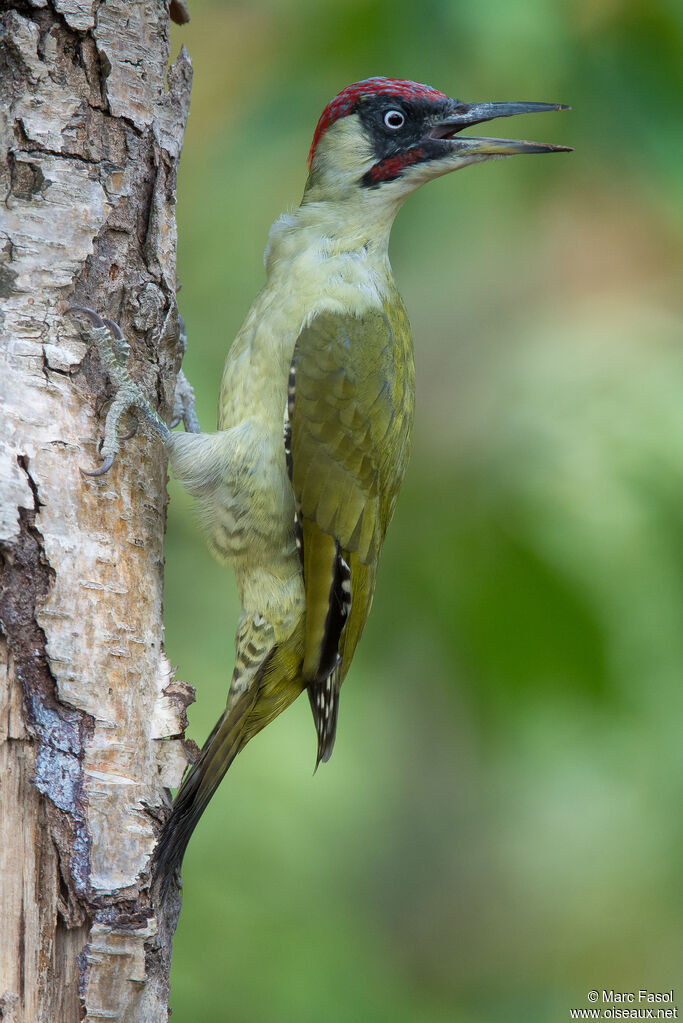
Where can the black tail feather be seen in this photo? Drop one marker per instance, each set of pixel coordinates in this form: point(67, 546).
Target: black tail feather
point(324, 699)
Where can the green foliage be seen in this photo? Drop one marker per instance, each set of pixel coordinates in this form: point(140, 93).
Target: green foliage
point(499, 829)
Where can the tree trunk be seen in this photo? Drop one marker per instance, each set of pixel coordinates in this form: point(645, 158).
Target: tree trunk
point(90, 720)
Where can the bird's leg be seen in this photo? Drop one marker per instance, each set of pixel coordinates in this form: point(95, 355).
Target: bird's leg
point(183, 400)
point(114, 350)
point(183, 405)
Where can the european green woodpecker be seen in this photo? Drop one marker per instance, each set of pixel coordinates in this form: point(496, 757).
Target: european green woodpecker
point(297, 487)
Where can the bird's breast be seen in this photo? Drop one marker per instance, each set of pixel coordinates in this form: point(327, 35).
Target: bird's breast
point(256, 371)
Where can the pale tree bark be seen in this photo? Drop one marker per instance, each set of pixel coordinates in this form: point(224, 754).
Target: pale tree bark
point(91, 722)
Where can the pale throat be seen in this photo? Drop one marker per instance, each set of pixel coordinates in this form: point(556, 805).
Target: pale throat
point(354, 228)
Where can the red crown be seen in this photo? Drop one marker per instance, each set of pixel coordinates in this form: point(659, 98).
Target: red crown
point(343, 103)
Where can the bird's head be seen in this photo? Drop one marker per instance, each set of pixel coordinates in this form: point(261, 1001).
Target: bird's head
point(386, 137)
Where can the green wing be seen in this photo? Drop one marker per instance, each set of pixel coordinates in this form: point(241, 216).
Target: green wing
point(350, 414)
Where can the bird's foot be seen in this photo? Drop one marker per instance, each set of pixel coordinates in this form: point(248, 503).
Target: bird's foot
point(183, 405)
point(183, 401)
point(114, 350)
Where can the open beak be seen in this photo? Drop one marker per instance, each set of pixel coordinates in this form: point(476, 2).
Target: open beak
point(466, 114)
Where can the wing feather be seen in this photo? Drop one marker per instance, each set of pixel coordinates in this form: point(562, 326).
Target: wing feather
point(348, 440)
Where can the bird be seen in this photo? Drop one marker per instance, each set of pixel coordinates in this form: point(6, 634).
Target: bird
point(297, 486)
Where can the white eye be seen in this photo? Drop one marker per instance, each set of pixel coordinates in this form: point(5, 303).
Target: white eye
point(394, 119)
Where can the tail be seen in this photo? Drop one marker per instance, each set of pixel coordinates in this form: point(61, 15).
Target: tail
point(199, 785)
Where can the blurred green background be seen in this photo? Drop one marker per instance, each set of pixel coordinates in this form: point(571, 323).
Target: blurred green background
point(500, 827)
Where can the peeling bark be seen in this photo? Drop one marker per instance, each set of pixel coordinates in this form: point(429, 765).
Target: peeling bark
point(91, 723)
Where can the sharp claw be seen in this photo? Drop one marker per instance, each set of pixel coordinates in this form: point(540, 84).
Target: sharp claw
point(105, 467)
point(97, 320)
point(94, 317)
point(114, 328)
point(174, 422)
